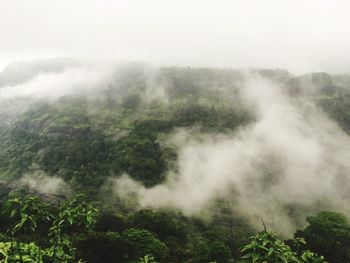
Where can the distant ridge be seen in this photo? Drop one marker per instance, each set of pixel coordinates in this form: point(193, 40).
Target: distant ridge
point(308, 84)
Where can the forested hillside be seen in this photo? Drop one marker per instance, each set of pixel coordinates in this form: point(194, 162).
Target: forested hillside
point(105, 161)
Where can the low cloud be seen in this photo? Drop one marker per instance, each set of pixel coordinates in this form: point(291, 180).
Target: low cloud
point(291, 156)
point(38, 181)
point(79, 80)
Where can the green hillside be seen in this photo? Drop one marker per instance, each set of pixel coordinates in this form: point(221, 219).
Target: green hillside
point(126, 126)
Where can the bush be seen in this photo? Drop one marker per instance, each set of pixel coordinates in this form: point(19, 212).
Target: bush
point(328, 233)
point(141, 242)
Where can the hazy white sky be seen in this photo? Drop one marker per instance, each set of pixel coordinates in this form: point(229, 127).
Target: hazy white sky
point(300, 35)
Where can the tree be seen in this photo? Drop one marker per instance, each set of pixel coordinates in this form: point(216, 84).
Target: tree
point(162, 223)
point(141, 242)
point(75, 215)
point(139, 154)
point(28, 213)
point(95, 247)
point(219, 252)
point(267, 248)
point(328, 233)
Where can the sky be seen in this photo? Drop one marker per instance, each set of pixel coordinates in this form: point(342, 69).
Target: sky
point(299, 35)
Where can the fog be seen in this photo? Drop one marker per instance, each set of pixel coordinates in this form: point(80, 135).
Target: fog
point(79, 80)
point(39, 182)
point(291, 156)
point(301, 36)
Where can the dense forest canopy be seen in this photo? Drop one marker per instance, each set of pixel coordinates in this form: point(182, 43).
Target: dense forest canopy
point(108, 161)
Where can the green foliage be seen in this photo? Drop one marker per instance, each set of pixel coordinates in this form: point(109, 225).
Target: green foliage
point(85, 140)
point(219, 252)
point(109, 221)
point(179, 251)
point(82, 158)
point(73, 234)
point(142, 242)
point(101, 247)
point(328, 233)
point(21, 252)
point(311, 257)
point(26, 213)
point(299, 246)
point(200, 250)
point(209, 117)
point(266, 247)
point(147, 259)
point(338, 108)
point(131, 102)
point(139, 154)
point(75, 215)
point(162, 223)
